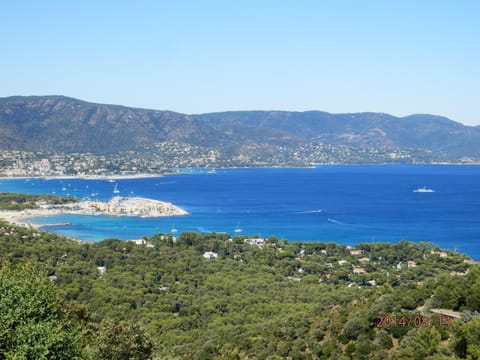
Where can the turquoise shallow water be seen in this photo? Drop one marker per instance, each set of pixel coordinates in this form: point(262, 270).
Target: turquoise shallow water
point(344, 204)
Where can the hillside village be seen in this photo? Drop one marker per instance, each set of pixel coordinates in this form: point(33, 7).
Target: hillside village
point(167, 157)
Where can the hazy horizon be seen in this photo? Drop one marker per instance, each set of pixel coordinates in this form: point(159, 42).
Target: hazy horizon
point(345, 56)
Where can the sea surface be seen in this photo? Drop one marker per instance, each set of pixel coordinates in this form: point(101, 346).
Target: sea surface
point(342, 204)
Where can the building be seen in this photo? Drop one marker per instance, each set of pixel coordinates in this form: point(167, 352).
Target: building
point(359, 270)
point(356, 252)
point(210, 255)
point(255, 241)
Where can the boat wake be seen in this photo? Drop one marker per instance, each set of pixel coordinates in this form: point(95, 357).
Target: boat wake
point(318, 211)
point(334, 221)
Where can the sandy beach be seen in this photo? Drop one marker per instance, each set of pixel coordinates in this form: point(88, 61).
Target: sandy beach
point(104, 177)
point(86, 177)
point(19, 218)
point(117, 206)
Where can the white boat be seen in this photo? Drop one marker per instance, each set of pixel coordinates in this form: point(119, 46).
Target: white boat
point(424, 190)
point(115, 190)
point(173, 230)
point(238, 230)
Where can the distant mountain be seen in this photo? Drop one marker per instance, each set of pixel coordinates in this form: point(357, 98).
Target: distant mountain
point(62, 124)
point(437, 134)
point(57, 123)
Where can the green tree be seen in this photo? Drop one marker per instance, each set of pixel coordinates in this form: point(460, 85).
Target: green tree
point(419, 344)
point(355, 326)
point(123, 340)
point(466, 339)
point(32, 323)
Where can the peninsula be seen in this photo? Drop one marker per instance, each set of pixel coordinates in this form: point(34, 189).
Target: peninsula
point(130, 206)
point(117, 206)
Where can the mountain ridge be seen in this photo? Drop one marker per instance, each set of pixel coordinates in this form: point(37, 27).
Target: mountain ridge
point(58, 123)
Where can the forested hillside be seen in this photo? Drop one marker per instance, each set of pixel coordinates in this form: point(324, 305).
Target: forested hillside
point(213, 297)
point(12, 201)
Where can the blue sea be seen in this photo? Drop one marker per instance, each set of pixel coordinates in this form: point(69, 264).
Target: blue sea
point(342, 204)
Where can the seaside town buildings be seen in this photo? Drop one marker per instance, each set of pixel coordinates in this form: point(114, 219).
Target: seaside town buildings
point(163, 157)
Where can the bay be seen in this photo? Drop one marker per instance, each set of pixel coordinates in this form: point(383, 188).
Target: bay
point(342, 204)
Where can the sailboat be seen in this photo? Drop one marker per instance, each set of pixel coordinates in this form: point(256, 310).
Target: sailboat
point(115, 190)
point(238, 230)
point(173, 230)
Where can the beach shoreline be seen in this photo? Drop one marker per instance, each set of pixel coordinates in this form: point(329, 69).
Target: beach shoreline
point(20, 218)
point(86, 177)
point(184, 171)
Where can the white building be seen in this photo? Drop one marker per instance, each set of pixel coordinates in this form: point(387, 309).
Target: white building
point(210, 255)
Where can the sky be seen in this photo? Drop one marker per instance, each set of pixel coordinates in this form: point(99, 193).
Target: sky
point(399, 57)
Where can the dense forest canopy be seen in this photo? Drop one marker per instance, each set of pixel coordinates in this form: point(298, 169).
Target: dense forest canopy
point(210, 296)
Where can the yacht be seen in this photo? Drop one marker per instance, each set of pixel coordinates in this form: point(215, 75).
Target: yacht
point(115, 190)
point(424, 190)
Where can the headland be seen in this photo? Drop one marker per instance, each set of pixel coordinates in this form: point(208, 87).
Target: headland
point(117, 206)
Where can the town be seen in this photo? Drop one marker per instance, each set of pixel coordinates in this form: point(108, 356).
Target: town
point(169, 156)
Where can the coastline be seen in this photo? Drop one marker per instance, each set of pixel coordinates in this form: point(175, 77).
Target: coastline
point(241, 203)
point(103, 177)
point(19, 218)
point(87, 177)
point(206, 169)
point(117, 206)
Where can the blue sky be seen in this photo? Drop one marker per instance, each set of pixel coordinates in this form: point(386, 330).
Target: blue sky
point(395, 56)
